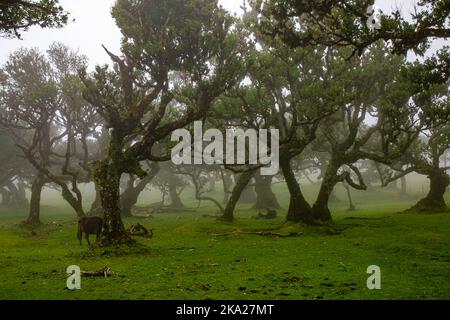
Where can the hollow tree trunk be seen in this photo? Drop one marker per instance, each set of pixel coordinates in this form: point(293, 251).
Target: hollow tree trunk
point(265, 198)
point(73, 202)
point(320, 209)
point(434, 201)
point(241, 183)
point(299, 208)
point(35, 201)
point(107, 178)
point(175, 200)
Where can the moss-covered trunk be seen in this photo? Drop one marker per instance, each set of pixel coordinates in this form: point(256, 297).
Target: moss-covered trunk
point(434, 201)
point(265, 198)
point(241, 183)
point(35, 201)
point(107, 175)
point(299, 208)
point(107, 179)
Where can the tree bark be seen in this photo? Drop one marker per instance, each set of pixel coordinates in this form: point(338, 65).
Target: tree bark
point(247, 195)
point(107, 178)
point(131, 194)
point(175, 200)
point(299, 208)
point(320, 209)
point(241, 183)
point(96, 207)
point(227, 182)
point(434, 201)
point(37, 185)
point(265, 198)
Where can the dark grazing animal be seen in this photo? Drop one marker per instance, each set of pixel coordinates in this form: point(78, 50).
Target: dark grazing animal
point(89, 225)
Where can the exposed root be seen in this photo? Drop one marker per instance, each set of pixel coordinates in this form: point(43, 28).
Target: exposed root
point(139, 230)
point(428, 206)
point(114, 240)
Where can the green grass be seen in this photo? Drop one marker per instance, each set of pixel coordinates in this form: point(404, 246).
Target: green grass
point(190, 258)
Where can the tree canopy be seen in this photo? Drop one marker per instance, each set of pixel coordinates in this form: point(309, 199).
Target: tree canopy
point(17, 16)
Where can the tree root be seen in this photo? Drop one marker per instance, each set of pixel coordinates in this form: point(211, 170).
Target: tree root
point(113, 241)
point(427, 205)
point(139, 230)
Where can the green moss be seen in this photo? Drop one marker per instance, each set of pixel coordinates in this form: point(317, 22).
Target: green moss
point(189, 256)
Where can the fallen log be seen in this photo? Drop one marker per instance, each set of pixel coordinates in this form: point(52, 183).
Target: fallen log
point(103, 272)
point(366, 218)
point(262, 233)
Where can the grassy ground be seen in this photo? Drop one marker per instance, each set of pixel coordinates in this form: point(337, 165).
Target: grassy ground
point(190, 258)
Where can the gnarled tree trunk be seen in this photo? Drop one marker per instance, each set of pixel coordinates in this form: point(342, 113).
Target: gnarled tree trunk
point(107, 178)
point(96, 206)
point(241, 183)
point(299, 208)
point(248, 195)
point(434, 201)
point(227, 182)
point(37, 185)
point(265, 198)
point(175, 200)
point(131, 194)
point(320, 209)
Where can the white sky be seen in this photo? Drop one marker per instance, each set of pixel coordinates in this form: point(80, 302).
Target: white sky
point(94, 26)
